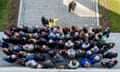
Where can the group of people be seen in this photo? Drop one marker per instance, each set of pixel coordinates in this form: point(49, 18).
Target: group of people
point(49, 22)
point(57, 47)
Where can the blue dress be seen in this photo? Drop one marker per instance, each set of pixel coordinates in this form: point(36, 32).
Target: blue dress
point(84, 60)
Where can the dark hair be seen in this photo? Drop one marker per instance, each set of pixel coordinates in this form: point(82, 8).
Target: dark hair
point(43, 18)
point(73, 28)
point(115, 62)
point(85, 29)
point(51, 20)
point(73, 62)
point(112, 44)
point(99, 36)
point(66, 30)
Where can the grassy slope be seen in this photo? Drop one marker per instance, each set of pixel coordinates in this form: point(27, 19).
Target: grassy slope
point(4, 13)
point(114, 14)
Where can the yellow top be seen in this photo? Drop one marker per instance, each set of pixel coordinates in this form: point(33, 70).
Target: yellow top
point(54, 23)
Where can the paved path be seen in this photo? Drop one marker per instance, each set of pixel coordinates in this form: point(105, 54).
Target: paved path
point(32, 10)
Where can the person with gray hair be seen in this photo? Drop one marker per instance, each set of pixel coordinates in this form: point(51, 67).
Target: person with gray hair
point(71, 53)
point(111, 54)
point(109, 63)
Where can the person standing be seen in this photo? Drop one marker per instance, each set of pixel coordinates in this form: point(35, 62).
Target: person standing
point(72, 6)
point(52, 23)
point(44, 21)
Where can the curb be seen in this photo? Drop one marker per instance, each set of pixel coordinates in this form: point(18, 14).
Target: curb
point(20, 12)
point(1, 35)
point(97, 13)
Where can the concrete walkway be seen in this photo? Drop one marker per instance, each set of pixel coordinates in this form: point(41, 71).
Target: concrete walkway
point(32, 10)
point(82, 10)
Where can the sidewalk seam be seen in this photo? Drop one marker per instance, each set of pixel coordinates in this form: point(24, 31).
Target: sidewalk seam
point(20, 12)
point(97, 13)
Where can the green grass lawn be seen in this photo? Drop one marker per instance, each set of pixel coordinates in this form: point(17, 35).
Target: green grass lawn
point(4, 13)
point(114, 6)
point(113, 13)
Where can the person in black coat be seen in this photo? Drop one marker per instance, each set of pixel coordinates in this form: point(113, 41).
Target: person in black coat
point(48, 64)
point(51, 43)
point(11, 58)
point(110, 55)
point(110, 63)
point(44, 21)
point(60, 44)
point(40, 57)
